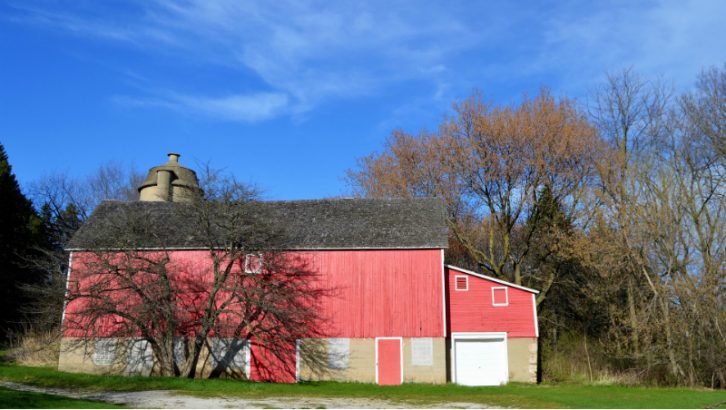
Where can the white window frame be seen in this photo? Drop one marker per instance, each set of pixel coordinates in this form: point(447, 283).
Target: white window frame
point(248, 269)
point(506, 296)
point(456, 283)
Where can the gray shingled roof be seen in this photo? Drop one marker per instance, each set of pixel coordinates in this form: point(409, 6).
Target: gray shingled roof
point(312, 224)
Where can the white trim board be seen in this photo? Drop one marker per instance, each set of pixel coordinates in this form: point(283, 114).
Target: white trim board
point(534, 310)
point(443, 291)
point(65, 293)
point(503, 282)
point(297, 360)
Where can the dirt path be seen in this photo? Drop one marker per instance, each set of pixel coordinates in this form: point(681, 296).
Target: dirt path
point(171, 399)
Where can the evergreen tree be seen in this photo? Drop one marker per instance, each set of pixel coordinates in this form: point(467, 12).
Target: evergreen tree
point(21, 233)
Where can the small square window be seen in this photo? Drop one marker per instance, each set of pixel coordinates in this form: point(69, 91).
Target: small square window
point(500, 296)
point(461, 283)
point(253, 263)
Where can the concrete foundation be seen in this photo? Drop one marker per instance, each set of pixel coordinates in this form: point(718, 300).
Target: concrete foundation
point(79, 355)
point(522, 355)
point(361, 364)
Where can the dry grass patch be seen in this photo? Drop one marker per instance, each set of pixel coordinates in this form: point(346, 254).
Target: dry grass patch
point(36, 349)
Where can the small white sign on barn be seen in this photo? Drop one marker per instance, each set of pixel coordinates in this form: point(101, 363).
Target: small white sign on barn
point(338, 353)
point(105, 352)
point(422, 351)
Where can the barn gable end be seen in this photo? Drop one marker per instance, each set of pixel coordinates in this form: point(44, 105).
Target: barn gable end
point(488, 319)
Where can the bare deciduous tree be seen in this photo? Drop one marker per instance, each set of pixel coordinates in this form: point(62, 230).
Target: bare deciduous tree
point(661, 220)
point(64, 203)
point(619, 215)
point(491, 164)
point(182, 303)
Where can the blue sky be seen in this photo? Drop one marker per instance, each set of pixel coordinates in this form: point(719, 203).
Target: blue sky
point(287, 95)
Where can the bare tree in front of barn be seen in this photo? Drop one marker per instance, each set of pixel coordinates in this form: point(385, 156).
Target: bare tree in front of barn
point(193, 315)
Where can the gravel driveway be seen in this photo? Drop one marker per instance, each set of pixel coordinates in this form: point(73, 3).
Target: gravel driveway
point(171, 399)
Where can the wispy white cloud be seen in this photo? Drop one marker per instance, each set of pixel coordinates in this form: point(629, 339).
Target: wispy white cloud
point(671, 38)
point(308, 53)
point(238, 108)
point(315, 53)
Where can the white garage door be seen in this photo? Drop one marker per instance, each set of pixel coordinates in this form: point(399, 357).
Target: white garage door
point(481, 361)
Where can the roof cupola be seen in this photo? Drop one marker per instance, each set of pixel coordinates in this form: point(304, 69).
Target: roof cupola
point(170, 182)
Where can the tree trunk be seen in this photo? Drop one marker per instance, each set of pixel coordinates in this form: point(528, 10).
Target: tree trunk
point(633, 318)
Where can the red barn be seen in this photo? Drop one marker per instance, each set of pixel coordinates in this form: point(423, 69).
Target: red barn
point(492, 325)
point(398, 314)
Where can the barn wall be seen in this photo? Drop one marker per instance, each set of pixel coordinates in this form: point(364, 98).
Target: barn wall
point(472, 310)
point(522, 356)
point(434, 373)
point(77, 355)
point(361, 365)
point(383, 293)
point(277, 367)
point(372, 293)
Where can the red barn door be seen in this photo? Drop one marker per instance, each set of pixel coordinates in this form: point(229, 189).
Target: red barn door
point(389, 366)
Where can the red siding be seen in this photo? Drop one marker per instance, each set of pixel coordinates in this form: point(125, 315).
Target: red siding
point(383, 293)
point(266, 366)
point(472, 310)
point(374, 292)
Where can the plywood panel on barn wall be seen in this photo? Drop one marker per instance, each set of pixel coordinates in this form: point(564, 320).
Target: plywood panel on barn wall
point(473, 311)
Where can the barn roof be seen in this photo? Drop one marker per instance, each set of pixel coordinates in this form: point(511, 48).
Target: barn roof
point(309, 224)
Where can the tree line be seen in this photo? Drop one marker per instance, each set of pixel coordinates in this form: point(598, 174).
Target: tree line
point(614, 209)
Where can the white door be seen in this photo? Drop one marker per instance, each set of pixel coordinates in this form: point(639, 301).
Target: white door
point(481, 362)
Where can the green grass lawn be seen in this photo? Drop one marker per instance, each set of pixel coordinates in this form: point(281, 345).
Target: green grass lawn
point(512, 395)
point(11, 399)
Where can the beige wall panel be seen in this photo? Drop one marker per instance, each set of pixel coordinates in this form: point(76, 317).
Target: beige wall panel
point(522, 354)
point(76, 356)
point(436, 373)
point(362, 364)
